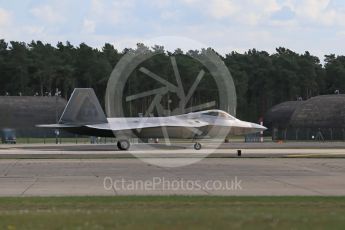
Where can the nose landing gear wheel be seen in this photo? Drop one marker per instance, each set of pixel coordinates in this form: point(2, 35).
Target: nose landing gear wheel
point(123, 144)
point(197, 146)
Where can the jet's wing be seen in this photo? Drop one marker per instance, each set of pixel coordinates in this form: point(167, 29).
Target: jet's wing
point(57, 126)
point(118, 124)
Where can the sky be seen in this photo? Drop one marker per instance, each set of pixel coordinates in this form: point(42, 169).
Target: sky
point(317, 26)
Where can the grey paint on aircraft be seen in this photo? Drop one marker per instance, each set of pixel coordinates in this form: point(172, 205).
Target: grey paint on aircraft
point(84, 115)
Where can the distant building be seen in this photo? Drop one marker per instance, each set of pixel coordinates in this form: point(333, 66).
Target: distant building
point(318, 118)
point(22, 113)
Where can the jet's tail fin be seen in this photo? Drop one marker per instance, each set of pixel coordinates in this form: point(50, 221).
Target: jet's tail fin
point(83, 108)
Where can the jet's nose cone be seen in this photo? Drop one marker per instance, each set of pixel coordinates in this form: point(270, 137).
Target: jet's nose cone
point(260, 127)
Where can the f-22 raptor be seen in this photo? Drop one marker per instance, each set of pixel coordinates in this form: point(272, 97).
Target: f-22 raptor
point(83, 115)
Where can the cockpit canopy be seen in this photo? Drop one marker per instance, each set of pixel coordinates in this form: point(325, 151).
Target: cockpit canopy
point(218, 113)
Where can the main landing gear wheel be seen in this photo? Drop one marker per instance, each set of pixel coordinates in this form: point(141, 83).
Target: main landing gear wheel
point(123, 144)
point(197, 146)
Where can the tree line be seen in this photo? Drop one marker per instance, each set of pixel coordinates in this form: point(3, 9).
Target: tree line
point(262, 80)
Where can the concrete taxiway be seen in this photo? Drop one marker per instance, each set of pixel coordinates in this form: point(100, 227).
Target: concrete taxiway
point(245, 153)
point(181, 150)
point(290, 170)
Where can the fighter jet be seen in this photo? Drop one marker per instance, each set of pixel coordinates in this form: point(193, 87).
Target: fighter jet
point(83, 115)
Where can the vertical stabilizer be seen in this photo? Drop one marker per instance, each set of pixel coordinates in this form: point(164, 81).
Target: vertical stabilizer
point(83, 108)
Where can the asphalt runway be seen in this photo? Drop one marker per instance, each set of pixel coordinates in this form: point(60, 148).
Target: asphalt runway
point(249, 176)
point(76, 170)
